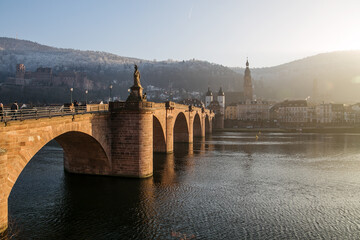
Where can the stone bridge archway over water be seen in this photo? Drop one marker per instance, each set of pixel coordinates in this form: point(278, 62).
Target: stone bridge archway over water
point(181, 129)
point(85, 148)
point(159, 144)
point(119, 142)
point(83, 154)
point(198, 127)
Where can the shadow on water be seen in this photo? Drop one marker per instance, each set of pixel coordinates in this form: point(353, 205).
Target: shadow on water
point(228, 185)
point(71, 206)
point(48, 203)
point(166, 166)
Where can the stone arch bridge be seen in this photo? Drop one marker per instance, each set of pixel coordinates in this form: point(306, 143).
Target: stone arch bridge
point(118, 142)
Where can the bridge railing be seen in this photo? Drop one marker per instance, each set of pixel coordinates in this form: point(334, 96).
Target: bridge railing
point(48, 112)
point(131, 105)
point(115, 106)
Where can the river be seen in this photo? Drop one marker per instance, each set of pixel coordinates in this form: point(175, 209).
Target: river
point(228, 186)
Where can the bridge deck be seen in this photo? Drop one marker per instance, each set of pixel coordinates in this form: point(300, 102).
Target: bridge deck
point(50, 111)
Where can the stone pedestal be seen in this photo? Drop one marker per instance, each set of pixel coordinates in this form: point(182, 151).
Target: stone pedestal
point(136, 94)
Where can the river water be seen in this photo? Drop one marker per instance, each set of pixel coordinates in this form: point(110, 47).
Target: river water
point(228, 186)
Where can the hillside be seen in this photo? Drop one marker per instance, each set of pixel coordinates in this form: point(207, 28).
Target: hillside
point(106, 67)
point(337, 75)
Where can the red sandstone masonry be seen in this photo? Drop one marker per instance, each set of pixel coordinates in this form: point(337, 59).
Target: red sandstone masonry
point(132, 143)
point(118, 144)
point(3, 192)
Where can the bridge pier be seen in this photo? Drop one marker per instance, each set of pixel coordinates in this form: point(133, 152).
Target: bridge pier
point(191, 128)
point(3, 193)
point(203, 129)
point(132, 143)
point(169, 134)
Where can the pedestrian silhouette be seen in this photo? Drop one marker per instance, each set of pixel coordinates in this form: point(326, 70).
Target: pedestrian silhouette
point(1, 112)
point(76, 105)
point(14, 108)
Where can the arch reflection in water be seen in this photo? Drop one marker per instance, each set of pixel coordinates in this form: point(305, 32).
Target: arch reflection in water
point(281, 186)
point(167, 165)
point(64, 204)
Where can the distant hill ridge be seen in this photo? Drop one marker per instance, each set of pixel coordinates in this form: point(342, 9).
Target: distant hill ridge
point(34, 54)
point(337, 73)
point(102, 66)
point(23, 45)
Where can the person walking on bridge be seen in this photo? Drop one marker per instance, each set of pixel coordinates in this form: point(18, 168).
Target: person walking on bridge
point(1, 112)
point(14, 109)
point(76, 106)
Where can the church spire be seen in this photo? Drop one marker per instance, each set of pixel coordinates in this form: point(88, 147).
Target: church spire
point(248, 90)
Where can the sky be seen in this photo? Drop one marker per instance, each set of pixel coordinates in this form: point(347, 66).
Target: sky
point(268, 32)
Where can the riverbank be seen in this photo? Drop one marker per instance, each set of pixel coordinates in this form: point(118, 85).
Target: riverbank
point(293, 130)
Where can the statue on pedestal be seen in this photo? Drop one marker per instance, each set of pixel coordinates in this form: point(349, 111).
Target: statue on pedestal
point(136, 77)
point(136, 93)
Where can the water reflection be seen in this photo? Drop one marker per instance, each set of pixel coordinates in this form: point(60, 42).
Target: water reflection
point(230, 186)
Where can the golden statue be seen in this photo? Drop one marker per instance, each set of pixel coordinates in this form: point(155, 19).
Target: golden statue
point(136, 76)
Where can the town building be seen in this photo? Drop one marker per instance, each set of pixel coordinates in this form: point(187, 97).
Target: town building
point(349, 115)
point(248, 109)
point(330, 113)
point(290, 111)
point(355, 109)
point(44, 76)
point(231, 111)
point(253, 110)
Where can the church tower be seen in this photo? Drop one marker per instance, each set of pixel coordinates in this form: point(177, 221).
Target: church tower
point(208, 98)
point(248, 89)
point(221, 100)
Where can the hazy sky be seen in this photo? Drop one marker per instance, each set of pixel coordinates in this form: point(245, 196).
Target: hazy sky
point(269, 32)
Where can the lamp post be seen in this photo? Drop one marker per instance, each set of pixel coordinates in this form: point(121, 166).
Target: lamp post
point(71, 91)
point(110, 88)
point(86, 93)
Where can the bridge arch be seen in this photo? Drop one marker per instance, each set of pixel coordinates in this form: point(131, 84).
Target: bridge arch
point(181, 130)
point(83, 153)
point(159, 143)
point(197, 128)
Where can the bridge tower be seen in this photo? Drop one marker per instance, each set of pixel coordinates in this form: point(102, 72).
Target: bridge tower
point(221, 100)
point(208, 98)
point(132, 131)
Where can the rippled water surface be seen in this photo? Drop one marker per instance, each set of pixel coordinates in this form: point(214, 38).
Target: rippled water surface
point(229, 186)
